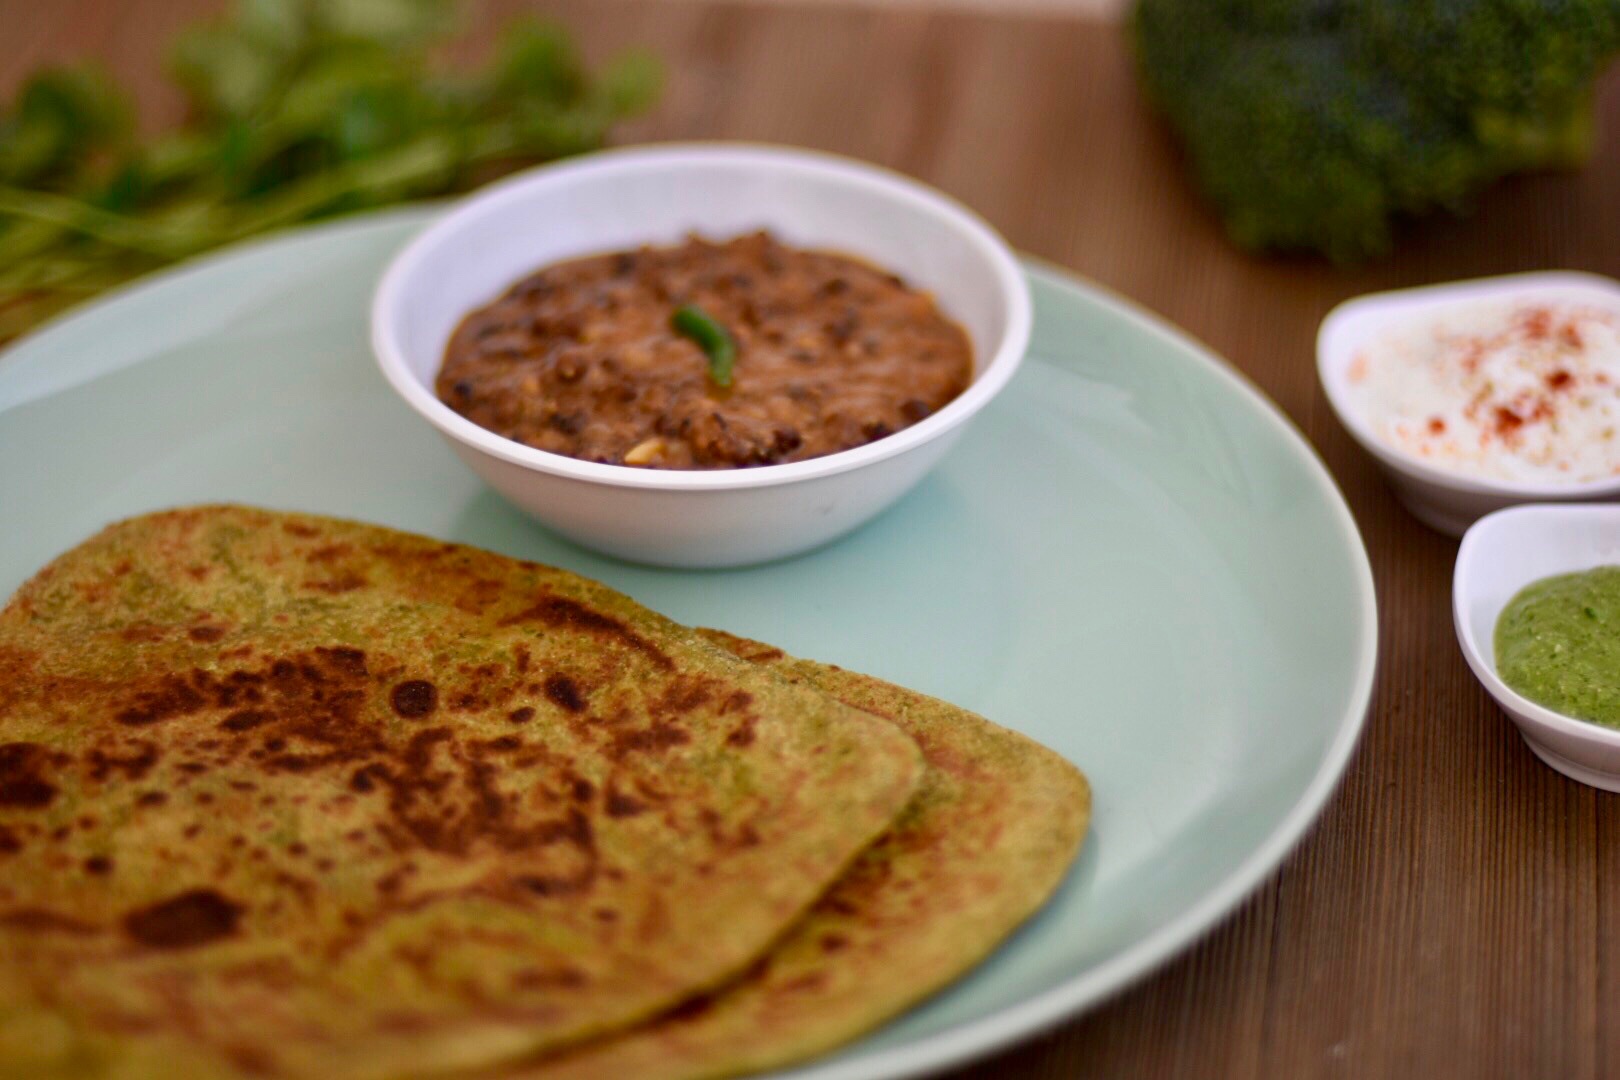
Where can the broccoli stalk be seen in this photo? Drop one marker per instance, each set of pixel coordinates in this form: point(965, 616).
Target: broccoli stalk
point(1318, 124)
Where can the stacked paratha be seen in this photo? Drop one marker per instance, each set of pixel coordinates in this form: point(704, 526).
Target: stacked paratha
point(287, 796)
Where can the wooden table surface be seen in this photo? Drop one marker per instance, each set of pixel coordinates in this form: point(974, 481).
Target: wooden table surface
point(1456, 911)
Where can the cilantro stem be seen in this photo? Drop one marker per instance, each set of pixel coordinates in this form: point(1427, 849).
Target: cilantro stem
point(75, 215)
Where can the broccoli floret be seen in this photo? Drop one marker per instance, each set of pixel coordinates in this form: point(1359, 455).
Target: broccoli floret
point(1317, 124)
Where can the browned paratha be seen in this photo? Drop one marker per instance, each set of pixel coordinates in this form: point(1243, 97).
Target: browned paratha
point(283, 795)
point(995, 826)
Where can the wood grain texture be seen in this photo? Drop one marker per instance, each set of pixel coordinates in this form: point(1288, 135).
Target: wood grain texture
point(1456, 912)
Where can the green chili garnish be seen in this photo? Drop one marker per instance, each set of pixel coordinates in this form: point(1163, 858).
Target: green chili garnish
point(693, 322)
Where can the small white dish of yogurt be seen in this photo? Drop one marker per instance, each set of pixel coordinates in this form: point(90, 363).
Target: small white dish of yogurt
point(1477, 395)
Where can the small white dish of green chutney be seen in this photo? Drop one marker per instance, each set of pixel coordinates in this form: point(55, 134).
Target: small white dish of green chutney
point(1536, 597)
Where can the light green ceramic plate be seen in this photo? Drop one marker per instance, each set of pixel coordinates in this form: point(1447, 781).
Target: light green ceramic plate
point(1130, 556)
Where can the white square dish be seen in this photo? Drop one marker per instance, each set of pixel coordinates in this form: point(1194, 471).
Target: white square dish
point(1499, 556)
point(1445, 500)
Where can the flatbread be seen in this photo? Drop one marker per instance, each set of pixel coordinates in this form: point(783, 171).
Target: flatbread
point(994, 828)
point(284, 795)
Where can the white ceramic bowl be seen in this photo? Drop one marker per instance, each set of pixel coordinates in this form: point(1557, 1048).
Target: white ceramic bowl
point(1444, 500)
point(1500, 555)
point(656, 195)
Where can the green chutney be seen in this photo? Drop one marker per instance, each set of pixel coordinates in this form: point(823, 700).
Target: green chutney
point(1558, 644)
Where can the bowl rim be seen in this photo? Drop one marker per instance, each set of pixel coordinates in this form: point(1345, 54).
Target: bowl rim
point(1520, 708)
point(884, 183)
point(1434, 295)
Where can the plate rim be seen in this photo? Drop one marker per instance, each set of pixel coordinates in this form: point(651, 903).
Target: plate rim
point(973, 1039)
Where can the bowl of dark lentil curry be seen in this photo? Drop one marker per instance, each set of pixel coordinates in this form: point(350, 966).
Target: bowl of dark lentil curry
point(705, 355)
point(702, 355)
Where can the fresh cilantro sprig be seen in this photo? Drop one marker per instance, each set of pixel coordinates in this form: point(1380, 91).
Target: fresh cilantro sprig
point(297, 110)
